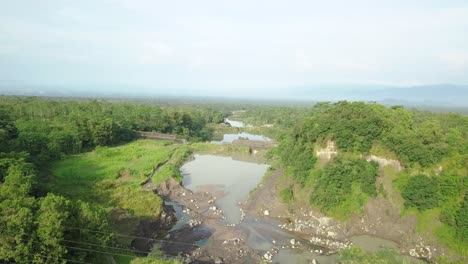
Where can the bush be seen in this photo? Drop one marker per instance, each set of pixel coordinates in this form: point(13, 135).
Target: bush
point(286, 195)
point(357, 256)
point(421, 192)
point(461, 220)
point(342, 180)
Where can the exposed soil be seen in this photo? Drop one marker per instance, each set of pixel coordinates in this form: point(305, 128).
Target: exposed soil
point(226, 243)
point(206, 238)
point(380, 219)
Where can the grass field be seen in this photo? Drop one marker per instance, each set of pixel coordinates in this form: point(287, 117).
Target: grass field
point(111, 176)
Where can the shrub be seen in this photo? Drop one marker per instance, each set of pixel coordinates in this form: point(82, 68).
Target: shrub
point(421, 192)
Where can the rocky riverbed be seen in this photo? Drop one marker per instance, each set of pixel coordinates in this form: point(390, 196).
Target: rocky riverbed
point(270, 231)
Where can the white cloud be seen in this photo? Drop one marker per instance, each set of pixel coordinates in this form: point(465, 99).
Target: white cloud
point(255, 42)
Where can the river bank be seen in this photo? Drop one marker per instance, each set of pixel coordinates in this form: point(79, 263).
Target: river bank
point(268, 230)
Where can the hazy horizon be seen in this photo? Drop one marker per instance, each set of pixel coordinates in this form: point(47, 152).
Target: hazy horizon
point(262, 49)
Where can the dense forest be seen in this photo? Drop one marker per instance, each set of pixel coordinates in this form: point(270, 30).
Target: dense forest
point(36, 223)
point(432, 148)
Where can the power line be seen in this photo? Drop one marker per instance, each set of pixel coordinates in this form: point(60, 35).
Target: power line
point(96, 245)
point(143, 238)
point(94, 251)
point(73, 261)
point(101, 252)
point(102, 246)
point(57, 258)
point(113, 254)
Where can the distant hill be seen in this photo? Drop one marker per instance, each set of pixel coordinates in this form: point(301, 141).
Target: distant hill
point(439, 96)
point(442, 93)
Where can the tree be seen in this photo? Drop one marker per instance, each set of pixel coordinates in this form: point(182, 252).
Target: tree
point(52, 218)
point(421, 192)
point(61, 142)
point(17, 214)
point(19, 181)
point(461, 219)
point(16, 230)
point(8, 130)
point(87, 217)
point(334, 184)
point(102, 131)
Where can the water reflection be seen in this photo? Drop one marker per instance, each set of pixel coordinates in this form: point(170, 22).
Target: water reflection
point(229, 138)
point(235, 177)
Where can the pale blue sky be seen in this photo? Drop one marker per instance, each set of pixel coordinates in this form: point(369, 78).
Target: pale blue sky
point(221, 45)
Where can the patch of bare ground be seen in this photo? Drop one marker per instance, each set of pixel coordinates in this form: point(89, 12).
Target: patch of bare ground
point(205, 238)
point(265, 197)
point(381, 218)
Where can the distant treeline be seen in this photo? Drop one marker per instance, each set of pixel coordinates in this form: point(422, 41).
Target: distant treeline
point(49, 129)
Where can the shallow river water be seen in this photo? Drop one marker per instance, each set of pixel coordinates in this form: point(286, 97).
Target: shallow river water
point(232, 180)
point(236, 123)
point(229, 138)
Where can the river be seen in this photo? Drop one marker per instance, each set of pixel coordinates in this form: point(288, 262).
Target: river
point(234, 178)
point(229, 182)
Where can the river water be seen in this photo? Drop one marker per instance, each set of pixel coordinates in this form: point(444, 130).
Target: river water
point(233, 180)
point(229, 138)
point(236, 123)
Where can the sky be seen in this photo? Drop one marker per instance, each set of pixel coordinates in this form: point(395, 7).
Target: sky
point(228, 47)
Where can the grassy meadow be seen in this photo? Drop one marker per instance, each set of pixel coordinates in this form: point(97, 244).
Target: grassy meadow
point(111, 177)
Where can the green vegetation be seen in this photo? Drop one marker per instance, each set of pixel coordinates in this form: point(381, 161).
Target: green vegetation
point(154, 260)
point(171, 168)
point(344, 183)
point(112, 176)
point(433, 148)
point(50, 129)
point(286, 194)
point(69, 163)
point(36, 230)
point(276, 116)
point(357, 256)
point(421, 192)
point(57, 204)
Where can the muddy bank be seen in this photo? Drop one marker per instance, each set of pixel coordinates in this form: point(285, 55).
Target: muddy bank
point(205, 236)
point(148, 228)
point(380, 226)
point(269, 230)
